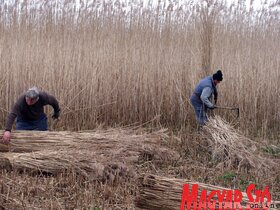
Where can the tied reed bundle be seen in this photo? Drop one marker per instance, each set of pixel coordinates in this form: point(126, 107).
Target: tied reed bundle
point(158, 192)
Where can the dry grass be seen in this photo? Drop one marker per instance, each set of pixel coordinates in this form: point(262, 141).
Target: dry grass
point(101, 168)
point(66, 191)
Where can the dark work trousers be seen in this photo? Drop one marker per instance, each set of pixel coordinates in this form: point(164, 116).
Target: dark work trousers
point(38, 125)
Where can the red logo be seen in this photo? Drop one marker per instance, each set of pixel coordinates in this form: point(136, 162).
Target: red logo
point(225, 199)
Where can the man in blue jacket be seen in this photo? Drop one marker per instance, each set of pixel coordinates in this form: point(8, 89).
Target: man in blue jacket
point(202, 95)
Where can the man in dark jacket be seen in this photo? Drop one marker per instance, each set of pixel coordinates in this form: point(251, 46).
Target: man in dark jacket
point(29, 112)
point(201, 97)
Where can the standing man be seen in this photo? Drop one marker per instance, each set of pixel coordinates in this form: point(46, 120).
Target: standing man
point(201, 97)
point(29, 112)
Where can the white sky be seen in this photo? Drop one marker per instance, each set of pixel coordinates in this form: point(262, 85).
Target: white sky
point(256, 4)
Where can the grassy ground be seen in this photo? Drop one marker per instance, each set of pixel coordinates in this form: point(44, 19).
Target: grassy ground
point(191, 160)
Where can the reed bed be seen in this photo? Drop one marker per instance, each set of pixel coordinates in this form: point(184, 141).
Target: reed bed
point(121, 64)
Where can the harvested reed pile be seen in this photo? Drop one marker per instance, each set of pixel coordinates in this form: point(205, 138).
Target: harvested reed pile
point(109, 157)
point(166, 193)
point(231, 149)
point(100, 155)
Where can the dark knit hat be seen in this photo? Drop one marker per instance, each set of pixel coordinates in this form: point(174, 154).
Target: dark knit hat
point(218, 76)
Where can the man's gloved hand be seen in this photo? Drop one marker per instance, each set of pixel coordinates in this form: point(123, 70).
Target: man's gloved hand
point(215, 100)
point(215, 96)
point(213, 107)
point(56, 115)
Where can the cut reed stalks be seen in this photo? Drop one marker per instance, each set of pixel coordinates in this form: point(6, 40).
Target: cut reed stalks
point(158, 192)
point(232, 150)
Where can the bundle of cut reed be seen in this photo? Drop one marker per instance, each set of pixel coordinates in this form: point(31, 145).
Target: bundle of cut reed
point(50, 161)
point(109, 153)
point(83, 163)
point(26, 141)
point(232, 149)
point(156, 192)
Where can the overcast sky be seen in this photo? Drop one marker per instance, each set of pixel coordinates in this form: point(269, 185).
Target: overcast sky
point(256, 4)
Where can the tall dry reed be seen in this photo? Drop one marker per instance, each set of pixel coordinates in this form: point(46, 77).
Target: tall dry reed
point(119, 64)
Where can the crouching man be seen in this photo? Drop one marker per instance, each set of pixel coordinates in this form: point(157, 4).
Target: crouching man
point(29, 112)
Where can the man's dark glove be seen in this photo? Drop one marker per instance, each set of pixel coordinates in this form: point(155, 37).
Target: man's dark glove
point(213, 107)
point(215, 100)
point(56, 115)
point(215, 95)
